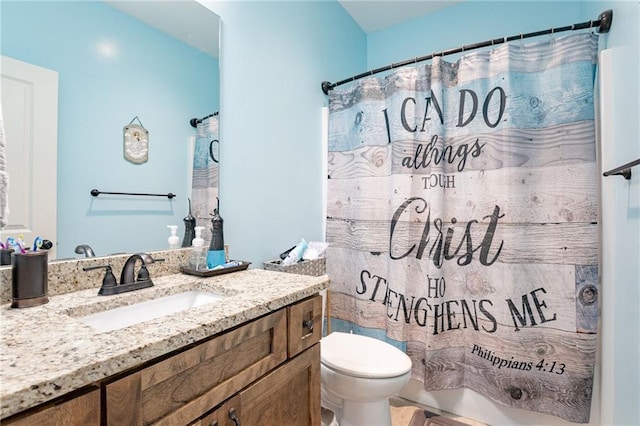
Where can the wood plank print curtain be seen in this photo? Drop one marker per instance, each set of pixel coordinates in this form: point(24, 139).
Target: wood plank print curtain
point(462, 220)
point(204, 186)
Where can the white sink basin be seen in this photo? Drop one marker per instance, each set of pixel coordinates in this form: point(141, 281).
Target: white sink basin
point(125, 316)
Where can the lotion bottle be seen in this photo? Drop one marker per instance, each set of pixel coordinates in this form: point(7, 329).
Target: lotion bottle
point(198, 259)
point(174, 240)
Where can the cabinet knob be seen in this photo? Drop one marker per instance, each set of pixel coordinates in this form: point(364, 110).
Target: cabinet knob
point(308, 324)
point(214, 423)
point(234, 417)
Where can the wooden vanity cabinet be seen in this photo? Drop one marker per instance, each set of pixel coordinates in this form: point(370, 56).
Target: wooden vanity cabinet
point(288, 396)
point(265, 372)
point(77, 410)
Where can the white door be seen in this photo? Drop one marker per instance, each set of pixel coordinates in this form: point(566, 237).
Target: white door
point(30, 112)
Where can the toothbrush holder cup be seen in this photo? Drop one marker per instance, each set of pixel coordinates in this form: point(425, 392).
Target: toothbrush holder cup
point(5, 256)
point(29, 282)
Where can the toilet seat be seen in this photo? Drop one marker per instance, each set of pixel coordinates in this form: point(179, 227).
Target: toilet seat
point(362, 356)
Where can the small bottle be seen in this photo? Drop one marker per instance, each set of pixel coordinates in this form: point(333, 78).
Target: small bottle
point(216, 255)
point(198, 259)
point(174, 240)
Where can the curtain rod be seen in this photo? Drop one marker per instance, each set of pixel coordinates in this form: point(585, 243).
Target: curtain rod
point(194, 121)
point(603, 24)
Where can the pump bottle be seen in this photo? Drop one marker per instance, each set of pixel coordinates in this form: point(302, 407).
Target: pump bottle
point(198, 258)
point(174, 240)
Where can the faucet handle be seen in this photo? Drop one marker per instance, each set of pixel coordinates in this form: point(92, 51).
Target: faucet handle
point(143, 273)
point(109, 279)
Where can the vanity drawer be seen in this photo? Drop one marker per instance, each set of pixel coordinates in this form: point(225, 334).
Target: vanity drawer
point(304, 324)
point(181, 388)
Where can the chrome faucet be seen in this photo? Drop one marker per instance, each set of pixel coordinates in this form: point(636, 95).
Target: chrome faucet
point(86, 250)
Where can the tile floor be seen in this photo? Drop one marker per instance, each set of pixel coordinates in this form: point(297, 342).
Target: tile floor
point(409, 413)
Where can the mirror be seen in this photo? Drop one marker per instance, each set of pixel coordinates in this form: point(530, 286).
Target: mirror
point(147, 63)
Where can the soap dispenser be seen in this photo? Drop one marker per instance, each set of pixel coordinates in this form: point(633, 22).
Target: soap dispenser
point(216, 255)
point(198, 259)
point(189, 227)
point(173, 239)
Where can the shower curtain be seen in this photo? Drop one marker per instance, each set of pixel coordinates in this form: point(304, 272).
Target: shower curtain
point(204, 187)
point(462, 220)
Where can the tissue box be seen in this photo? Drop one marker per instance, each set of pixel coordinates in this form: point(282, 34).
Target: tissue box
point(315, 267)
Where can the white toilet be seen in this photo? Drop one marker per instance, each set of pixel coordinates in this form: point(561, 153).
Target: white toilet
point(358, 376)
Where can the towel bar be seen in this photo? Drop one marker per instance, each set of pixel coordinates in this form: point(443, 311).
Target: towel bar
point(95, 193)
point(624, 170)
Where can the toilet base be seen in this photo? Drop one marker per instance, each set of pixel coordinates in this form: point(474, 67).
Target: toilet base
point(356, 413)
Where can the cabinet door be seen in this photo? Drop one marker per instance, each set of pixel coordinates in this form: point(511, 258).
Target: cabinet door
point(304, 324)
point(288, 396)
point(83, 410)
point(183, 387)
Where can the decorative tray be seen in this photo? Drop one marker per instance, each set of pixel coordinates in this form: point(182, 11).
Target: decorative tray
point(213, 272)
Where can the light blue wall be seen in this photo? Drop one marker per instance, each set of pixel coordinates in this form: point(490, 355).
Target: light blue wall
point(618, 389)
point(274, 56)
point(155, 77)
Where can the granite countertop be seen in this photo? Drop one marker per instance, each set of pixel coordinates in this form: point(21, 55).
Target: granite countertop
point(46, 352)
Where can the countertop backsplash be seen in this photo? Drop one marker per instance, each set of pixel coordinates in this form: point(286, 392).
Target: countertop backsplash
point(66, 276)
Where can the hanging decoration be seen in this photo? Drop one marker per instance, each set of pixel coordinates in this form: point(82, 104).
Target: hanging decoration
point(136, 142)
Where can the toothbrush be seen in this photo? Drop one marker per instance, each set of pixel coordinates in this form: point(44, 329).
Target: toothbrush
point(20, 246)
point(37, 243)
point(12, 242)
point(20, 243)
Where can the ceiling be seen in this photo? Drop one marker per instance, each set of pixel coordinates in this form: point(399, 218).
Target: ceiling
point(188, 21)
point(198, 26)
point(374, 15)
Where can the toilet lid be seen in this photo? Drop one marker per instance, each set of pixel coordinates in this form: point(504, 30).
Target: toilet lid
point(362, 356)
